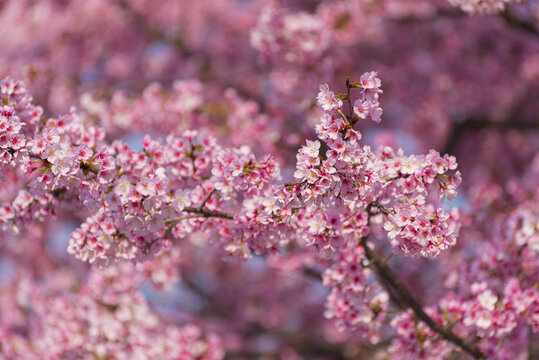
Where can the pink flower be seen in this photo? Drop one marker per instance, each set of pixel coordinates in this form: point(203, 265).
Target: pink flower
point(487, 300)
point(181, 199)
point(327, 100)
point(369, 80)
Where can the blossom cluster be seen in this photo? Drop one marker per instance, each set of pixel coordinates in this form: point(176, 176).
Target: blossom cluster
point(498, 319)
point(157, 189)
point(105, 318)
point(482, 6)
point(416, 340)
point(292, 38)
point(338, 188)
point(367, 105)
point(135, 198)
point(357, 301)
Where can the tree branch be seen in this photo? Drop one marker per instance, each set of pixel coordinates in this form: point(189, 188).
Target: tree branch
point(208, 213)
point(200, 213)
point(390, 279)
point(508, 16)
point(154, 32)
point(206, 199)
point(476, 124)
point(514, 21)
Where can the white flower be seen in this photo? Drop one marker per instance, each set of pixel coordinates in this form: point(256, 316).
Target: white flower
point(181, 199)
point(487, 300)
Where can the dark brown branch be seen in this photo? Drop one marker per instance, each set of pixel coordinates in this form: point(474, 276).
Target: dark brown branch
point(208, 213)
point(390, 279)
point(312, 273)
point(516, 22)
point(476, 124)
point(450, 13)
point(349, 101)
point(381, 207)
point(292, 183)
point(88, 168)
point(507, 15)
point(208, 197)
point(154, 32)
point(180, 218)
point(35, 156)
point(201, 211)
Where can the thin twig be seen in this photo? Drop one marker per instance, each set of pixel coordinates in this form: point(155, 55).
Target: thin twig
point(180, 218)
point(292, 183)
point(208, 213)
point(201, 211)
point(381, 207)
point(349, 100)
point(201, 207)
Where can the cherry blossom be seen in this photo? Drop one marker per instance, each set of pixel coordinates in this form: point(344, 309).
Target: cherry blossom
point(202, 180)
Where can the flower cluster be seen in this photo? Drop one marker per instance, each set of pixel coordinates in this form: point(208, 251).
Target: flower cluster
point(413, 225)
point(368, 105)
point(351, 179)
point(136, 199)
point(105, 318)
point(416, 340)
point(185, 106)
point(425, 230)
point(357, 301)
point(155, 105)
point(493, 317)
point(498, 319)
point(291, 38)
point(160, 190)
point(327, 100)
point(482, 6)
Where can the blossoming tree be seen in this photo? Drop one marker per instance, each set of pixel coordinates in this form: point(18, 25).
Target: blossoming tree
point(223, 180)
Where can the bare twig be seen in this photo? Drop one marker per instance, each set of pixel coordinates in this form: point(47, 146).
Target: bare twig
point(201, 211)
point(349, 101)
point(292, 183)
point(201, 207)
point(381, 207)
point(209, 213)
point(180, 218)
